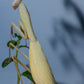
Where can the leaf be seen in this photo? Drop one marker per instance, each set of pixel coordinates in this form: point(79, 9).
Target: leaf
point(18, 36)
point(13, 42)
point(28, 75)
point(6, 62)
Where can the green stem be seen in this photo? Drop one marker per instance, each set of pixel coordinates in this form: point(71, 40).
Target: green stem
point(18, 80)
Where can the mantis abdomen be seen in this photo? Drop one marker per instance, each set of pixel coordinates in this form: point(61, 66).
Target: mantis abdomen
point(40, 68)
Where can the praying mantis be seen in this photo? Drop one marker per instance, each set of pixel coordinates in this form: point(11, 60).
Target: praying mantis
point(39, 66)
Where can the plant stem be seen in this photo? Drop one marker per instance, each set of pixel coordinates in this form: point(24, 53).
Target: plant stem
point(18, 80)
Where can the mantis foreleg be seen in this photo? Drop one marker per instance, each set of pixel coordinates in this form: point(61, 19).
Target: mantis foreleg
point(18, 30)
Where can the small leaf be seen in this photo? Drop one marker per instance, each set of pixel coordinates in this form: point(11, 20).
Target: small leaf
point(28, 75)
point(18, 36)
point(13, 42)
point(6, 62)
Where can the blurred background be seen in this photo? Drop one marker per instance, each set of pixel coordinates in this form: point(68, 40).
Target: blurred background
point(59, 26)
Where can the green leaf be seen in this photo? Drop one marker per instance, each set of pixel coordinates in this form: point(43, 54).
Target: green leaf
point(28, 75)
point(18, 36)
point(6, 62)
point(13, 42)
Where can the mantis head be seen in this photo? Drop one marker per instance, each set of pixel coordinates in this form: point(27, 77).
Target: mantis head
point(26, 27)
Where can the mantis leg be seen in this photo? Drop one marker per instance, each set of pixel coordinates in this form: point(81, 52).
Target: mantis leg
point(17, 69)
point(21, 26)
point(14, 58)
point(23, 30)
point(17, 50)
point(20, 32)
